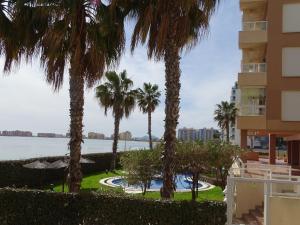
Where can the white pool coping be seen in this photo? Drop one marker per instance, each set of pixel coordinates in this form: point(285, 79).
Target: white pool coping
point(131, 190)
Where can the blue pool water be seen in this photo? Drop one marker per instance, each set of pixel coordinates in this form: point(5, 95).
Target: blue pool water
point(181, 183)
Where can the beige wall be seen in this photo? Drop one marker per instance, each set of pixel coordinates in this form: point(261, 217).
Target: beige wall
point(248, 196)
point(251, 122)
point(254, 14)
point(254, 55)
point(284, 211)
point(250, 39)
point(252, 79)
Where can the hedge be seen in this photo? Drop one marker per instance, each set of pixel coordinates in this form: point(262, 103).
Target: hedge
point(27, 207)
point(12, 173)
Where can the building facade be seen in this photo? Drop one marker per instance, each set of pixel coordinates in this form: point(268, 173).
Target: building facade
point(17, 133)
point(234, 133)
point(50, 135)
point(191, 134)
point(269, 81)
point(93, 135)
point(125, 136)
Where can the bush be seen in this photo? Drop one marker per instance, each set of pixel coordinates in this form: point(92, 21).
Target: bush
point(19, 207)
point(12, 173)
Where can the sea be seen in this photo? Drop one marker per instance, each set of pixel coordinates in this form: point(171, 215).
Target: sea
point(15, 148)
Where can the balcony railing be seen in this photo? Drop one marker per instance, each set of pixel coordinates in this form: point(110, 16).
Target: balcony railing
point(255, 26)
point(254, 68)
point(253, 110)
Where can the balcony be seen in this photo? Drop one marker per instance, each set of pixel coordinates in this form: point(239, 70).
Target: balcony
point(254, 34)
point(253, 74)
point(255, 26)
point(254, 68)
point(253, 110)
point(252, 102)
point(251, 4)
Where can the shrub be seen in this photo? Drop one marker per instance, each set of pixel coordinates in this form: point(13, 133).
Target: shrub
point(19, 207)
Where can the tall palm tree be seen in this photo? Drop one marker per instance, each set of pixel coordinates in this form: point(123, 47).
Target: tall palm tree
point(148, 100)
point(117, 94)
point(86, 37)
point(168, 27)
point(5, 22)
point(20, 30)
point(225, 115)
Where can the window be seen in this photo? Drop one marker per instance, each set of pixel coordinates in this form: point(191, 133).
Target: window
point(291, 18)
point(290, 107)
point(290, 62)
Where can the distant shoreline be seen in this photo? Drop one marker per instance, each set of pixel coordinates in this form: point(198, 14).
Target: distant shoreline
point(108, 139)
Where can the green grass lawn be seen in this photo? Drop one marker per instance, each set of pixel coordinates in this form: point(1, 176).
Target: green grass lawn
point(91, 183)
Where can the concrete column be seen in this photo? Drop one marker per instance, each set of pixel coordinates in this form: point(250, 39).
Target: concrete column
point(244, 139)
point(272, 149)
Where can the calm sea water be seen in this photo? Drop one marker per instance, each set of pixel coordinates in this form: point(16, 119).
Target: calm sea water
point(12, 148)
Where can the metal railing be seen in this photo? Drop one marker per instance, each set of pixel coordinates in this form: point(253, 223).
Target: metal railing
point(255, 26)
point(254, 68)
point(278, 181)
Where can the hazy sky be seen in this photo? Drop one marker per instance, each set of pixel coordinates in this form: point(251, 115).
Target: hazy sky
point(208, 73)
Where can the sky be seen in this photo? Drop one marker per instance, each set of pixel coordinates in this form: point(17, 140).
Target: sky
point(209, 71)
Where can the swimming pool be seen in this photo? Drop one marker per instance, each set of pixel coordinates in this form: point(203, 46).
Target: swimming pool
point(183, 184)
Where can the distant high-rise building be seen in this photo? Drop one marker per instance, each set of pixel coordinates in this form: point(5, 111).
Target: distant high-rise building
point(17, 133)
point(125, 135)
point(191, 134)
point(187, 134)
point(50, 135)
point(93, 135)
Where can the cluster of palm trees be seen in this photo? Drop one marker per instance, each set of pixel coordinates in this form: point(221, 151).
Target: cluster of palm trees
point(117, 93)
point(87, 37)
point(225, 116)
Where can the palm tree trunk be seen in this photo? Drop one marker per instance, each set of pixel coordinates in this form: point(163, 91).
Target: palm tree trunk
point(149, 130)
point(227, 133)
point(76, 114)
point(76, 92)
point(115, 142)
point(172, 83)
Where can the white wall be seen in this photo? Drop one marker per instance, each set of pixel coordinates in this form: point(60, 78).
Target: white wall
point(291, 17)
point(290, 105)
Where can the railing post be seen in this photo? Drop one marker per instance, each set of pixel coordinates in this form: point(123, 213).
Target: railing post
point(266, 201)
point(242, 170)
point(230, 199)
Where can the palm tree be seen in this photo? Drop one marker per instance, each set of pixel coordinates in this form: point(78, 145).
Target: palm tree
point(20, 31)
point(86, 36)
point(5, 23)
point(168, 27)
point(225, 115)
point(148, 100)
point(117, 94)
